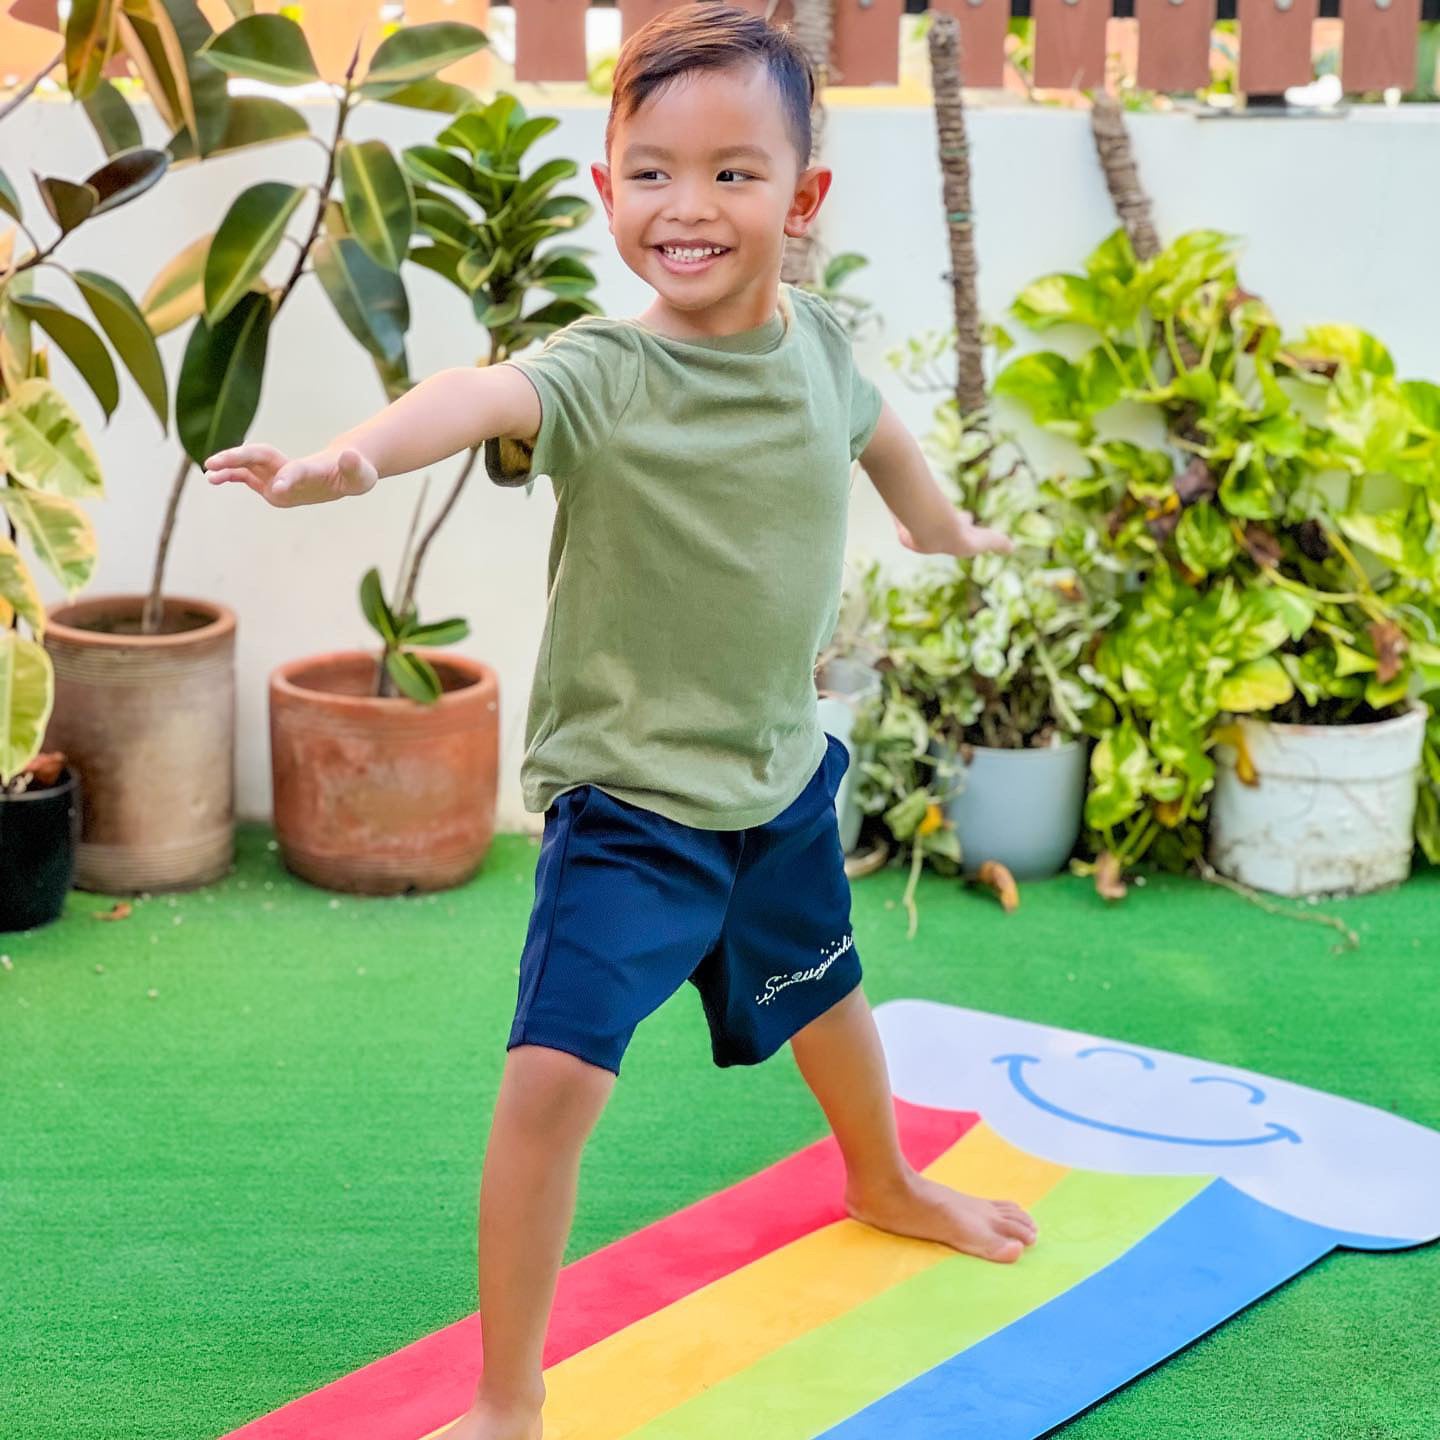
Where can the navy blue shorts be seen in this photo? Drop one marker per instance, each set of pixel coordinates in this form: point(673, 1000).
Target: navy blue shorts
point(630, 904)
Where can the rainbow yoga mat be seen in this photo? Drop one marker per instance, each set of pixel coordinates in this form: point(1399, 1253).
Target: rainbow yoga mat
point(764, 1309)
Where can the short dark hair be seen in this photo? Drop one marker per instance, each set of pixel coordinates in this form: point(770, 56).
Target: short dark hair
point(704, 35)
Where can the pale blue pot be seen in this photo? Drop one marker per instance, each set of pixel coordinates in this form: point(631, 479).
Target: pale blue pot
point(1020, 807)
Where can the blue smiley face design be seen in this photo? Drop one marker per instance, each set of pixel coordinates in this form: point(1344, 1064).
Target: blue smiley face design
point(1016, 1066)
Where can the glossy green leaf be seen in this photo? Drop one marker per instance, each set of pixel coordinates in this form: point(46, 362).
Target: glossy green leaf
point(379, 207)
point(370, 300)
point(1348, 345)
point(129, 334)
point(414, 52)
point(27, 693)
point(220, 377)
point(373, 606)
point(44, 446)
point(251, 120)
point(428, 94)
point(58, 531)
point(177, 293)
point(414, 676)
point(88, 31)
point(247, 238)
point(126, 177)
point(272, 48)
point(1258, 685)
point(1204, 539)
point(202, 91)
point(112, 119)
point(82, 346)
point(441, 632)
point(69, 204)
point(493, 315)
point(9, 200)
point(431, 165)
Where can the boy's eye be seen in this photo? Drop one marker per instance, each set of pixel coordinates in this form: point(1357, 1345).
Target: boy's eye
point(739, 173)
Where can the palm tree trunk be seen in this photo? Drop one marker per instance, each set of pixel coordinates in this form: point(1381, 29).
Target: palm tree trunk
point(944, 39)
point(1132, 204)
point(813, 27)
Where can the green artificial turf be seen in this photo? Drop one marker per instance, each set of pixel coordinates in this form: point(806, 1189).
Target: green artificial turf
point(241, 1131)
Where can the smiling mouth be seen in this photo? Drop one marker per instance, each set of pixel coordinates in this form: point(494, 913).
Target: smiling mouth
point(1017, 1063)
point(686, 258)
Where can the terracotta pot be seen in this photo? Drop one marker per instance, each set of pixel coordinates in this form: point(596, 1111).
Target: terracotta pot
point(149, 723)
point(383, 796)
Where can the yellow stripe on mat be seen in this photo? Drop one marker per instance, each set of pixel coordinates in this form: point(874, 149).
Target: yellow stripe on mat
point(620, 1383)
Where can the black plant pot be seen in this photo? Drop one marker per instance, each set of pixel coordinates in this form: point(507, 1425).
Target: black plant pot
point(39, 836)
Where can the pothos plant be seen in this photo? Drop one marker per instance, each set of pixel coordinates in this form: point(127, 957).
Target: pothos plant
point(992, 652)
point(1274, 503)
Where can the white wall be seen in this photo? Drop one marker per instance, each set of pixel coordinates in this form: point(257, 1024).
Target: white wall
point(1339, 215)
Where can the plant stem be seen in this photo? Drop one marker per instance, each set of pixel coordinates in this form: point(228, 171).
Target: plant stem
point(385, 685)
point(28, 89)
point(150, 617)
point(1352, 940)
point(152, 612)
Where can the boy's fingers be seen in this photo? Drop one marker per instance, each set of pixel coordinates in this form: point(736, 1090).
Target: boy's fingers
point(239, 455)
point(225, 477)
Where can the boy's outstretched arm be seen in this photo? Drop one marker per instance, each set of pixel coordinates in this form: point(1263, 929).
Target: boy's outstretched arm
point(450, 411)
point(926, 519)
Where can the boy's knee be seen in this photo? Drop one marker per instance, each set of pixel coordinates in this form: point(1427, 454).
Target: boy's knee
point(554, 1087)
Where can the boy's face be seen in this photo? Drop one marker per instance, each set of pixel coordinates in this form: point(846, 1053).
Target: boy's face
point(708, 161)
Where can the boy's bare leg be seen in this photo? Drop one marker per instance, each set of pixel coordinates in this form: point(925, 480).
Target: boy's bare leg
point(548, 1104)
point(840, 1056)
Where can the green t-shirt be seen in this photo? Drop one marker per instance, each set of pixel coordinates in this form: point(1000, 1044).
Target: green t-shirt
point(702, 491)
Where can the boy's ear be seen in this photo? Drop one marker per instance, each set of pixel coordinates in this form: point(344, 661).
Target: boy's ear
point(600, 174)
point(810, 191)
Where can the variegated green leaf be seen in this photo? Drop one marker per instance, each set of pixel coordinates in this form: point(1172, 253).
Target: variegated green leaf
point(44, 446)
point(58, 530)
point(27, 692)
point(17, 588)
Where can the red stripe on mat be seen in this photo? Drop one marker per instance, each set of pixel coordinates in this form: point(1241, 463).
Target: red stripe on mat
point(428, 1383)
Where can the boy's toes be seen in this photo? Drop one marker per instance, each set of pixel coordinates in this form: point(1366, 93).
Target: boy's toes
point(1005, 1251)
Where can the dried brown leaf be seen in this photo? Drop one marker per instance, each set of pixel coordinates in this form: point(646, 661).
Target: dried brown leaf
point(996, 877)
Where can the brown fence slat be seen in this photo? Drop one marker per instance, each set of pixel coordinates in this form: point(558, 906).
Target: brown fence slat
point(476, 71)
point(1174, 44)
point(1275, 44)
point(333, 27)
point(983, 27)
point(1070, 43)
point(635, 13)
point(1380, 47)
point(550, 39)
point(24, 48)
point(866, 49)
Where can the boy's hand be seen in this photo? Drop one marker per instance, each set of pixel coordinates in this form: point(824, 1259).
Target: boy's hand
point(965, 540)
point(309, 480)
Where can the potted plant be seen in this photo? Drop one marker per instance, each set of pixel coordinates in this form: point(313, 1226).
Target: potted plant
point(1274, 522)
point(172, 826)
point(48, 470)
point(408, 801)
point(986, 702)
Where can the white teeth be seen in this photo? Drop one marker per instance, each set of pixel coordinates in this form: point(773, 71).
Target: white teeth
point(690, 254)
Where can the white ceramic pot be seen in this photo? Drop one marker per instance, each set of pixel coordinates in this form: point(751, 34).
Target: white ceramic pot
point(1333, 812)
point(844, 685)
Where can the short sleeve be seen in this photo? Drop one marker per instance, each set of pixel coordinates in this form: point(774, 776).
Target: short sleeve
point(866, 402)
point(585, 376)
point(863, 395)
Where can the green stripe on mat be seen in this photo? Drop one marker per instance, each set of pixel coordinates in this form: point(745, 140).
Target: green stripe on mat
point(830, 1373)
point(264, 1176)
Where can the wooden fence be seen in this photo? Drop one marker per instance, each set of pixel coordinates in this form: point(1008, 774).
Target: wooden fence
point(1378, 50)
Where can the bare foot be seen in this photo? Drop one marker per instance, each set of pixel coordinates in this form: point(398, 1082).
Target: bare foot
point(484, 1422)
point(927, 1210)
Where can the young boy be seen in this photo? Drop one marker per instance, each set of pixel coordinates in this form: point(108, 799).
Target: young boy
point(701, 457)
